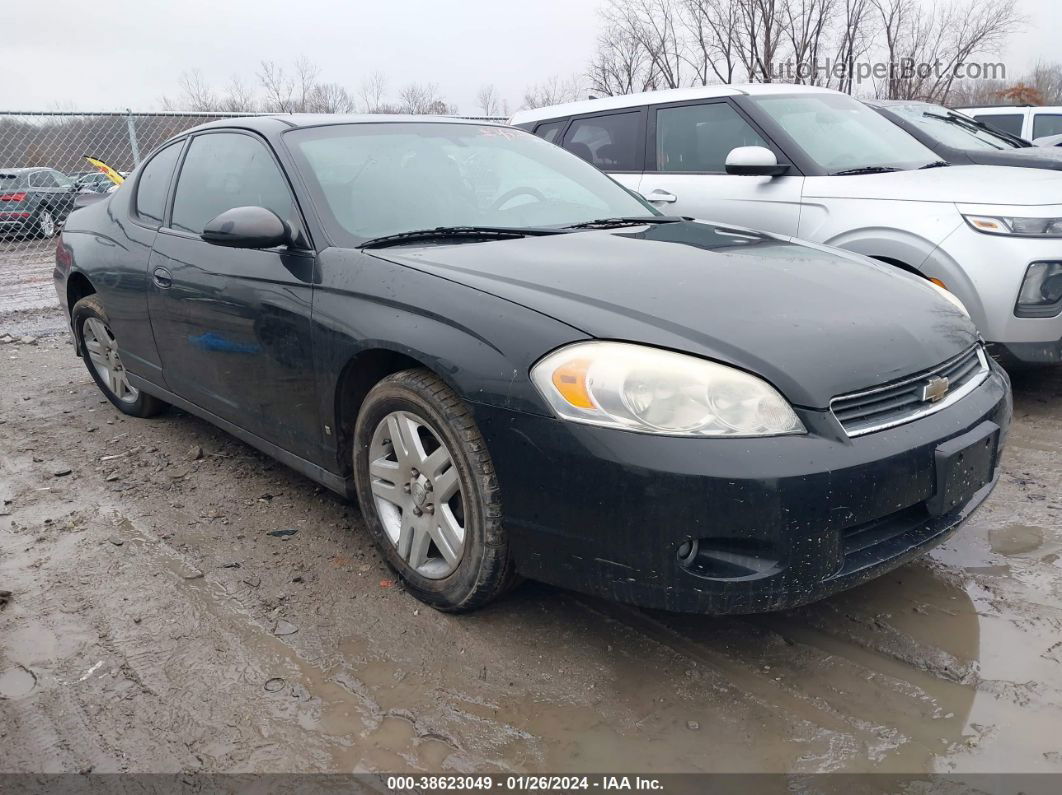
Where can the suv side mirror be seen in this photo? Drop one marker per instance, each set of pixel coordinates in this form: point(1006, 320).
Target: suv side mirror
point(754, 161)
point(247, 227)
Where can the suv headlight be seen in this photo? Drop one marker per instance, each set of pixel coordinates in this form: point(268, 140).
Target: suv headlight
point(638, 388)
point(1020, 227)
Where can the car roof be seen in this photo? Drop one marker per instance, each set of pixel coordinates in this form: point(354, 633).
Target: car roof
point(895, 103)
point(272, 123)
point(996, 109)
point(661, 97)
point(16, 171)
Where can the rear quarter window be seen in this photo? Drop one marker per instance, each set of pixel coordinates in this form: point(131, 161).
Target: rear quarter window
point(1045, 124)
point(154, 182)
point(1008, 123)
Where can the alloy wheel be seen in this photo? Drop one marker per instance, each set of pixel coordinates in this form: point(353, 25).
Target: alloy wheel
point(417, 491)
point(103, 353)
point(46, 221)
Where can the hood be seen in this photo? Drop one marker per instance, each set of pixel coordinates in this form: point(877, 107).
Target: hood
point(813, 321)
point(958, 184)
point(1025, 157)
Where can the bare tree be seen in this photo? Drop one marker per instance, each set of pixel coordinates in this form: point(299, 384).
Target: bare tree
point(278, 86)
point(806, 24)
point(924, 47)
point(856, 29)
point(423, 98)
point(712, 26)
point(1047, 79)
point(372, 90)
point(329, 98)
point(553, 91)
point(621, 64)
point(488, 101)
point(196, 94)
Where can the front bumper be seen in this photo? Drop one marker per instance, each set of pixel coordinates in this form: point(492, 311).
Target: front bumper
point(1027, 353)
point(777, 522)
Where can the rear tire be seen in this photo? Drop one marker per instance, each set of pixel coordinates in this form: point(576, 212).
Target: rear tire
point(44, 223)
point(428, 492)
point(99, 349)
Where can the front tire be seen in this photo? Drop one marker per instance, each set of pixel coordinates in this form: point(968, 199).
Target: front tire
point(99, 349)
point(428, 492)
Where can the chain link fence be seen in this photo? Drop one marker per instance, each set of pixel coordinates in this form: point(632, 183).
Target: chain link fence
point(44, 173)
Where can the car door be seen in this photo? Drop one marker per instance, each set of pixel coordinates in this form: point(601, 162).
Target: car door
point(613, 141)
point(44, 190)
point(232, 325)
point(685, 173)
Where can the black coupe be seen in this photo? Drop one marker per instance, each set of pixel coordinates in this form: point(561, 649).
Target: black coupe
point(519, 368)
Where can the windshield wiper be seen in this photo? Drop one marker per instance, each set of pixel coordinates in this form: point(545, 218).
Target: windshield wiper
point(634, 220)
point(935, 164)
point(448, 232)
point(975, 125)
point(864, 170)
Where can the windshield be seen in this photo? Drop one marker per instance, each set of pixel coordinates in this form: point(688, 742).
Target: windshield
point(378, 179)
point(951, 128)
point(841, 134)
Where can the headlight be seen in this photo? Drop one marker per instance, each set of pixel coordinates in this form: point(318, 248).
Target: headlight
point(950, 296)
point(644, 389)
point(1021, 227)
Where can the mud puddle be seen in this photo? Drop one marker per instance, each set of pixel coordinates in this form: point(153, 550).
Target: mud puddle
point(165, 629)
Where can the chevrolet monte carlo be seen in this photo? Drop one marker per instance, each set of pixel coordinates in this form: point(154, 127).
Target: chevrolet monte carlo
point(521, 369)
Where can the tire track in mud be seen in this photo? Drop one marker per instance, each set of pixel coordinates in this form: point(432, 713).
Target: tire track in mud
point(925, 668)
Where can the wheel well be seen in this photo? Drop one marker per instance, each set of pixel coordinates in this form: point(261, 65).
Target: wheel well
point(360, 375)
point(77, 287)
point(901, 265)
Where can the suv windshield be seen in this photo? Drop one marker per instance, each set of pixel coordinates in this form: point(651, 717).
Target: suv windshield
point(951, 128)
point(842, 134)
point(377, 179)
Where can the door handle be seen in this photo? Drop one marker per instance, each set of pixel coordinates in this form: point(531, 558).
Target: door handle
point(662, 196)
point(162, 278)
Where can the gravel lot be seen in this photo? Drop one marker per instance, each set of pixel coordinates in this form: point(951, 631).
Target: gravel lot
point(158, 623)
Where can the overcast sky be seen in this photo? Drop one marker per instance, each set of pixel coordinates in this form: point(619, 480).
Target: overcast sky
point(129, 53)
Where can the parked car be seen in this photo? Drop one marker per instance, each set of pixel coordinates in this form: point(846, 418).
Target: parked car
point(961, 139)
point(1028, 122)
point(1049, 141)
point(34, 201)
point(818, 165)
point(520, 368)
point(95, 181)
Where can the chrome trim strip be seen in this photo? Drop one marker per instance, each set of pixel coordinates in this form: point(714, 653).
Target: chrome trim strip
point(953, 397)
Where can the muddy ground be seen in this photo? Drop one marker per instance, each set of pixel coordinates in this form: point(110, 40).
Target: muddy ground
point(159, 623)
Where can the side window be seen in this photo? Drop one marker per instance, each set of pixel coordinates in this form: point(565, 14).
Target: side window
point(699, 137)
point(226, 170)
point(550, 130)
point(62, 180)
point(612, 143)
point(1008, 123)
point(1045, 124)
point(42, 179)
point(153, 183)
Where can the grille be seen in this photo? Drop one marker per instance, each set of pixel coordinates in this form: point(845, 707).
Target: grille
point(903, 401)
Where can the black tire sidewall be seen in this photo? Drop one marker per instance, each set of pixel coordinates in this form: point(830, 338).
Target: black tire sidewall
point(90, 307)
point(452, 590)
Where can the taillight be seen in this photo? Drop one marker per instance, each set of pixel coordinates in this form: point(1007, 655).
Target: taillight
point(12, 197)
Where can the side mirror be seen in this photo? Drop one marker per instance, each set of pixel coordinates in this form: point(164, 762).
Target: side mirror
point(754, 161)
point(247, 227)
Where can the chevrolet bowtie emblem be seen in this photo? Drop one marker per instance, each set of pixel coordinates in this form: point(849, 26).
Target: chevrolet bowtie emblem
point(934, 389)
